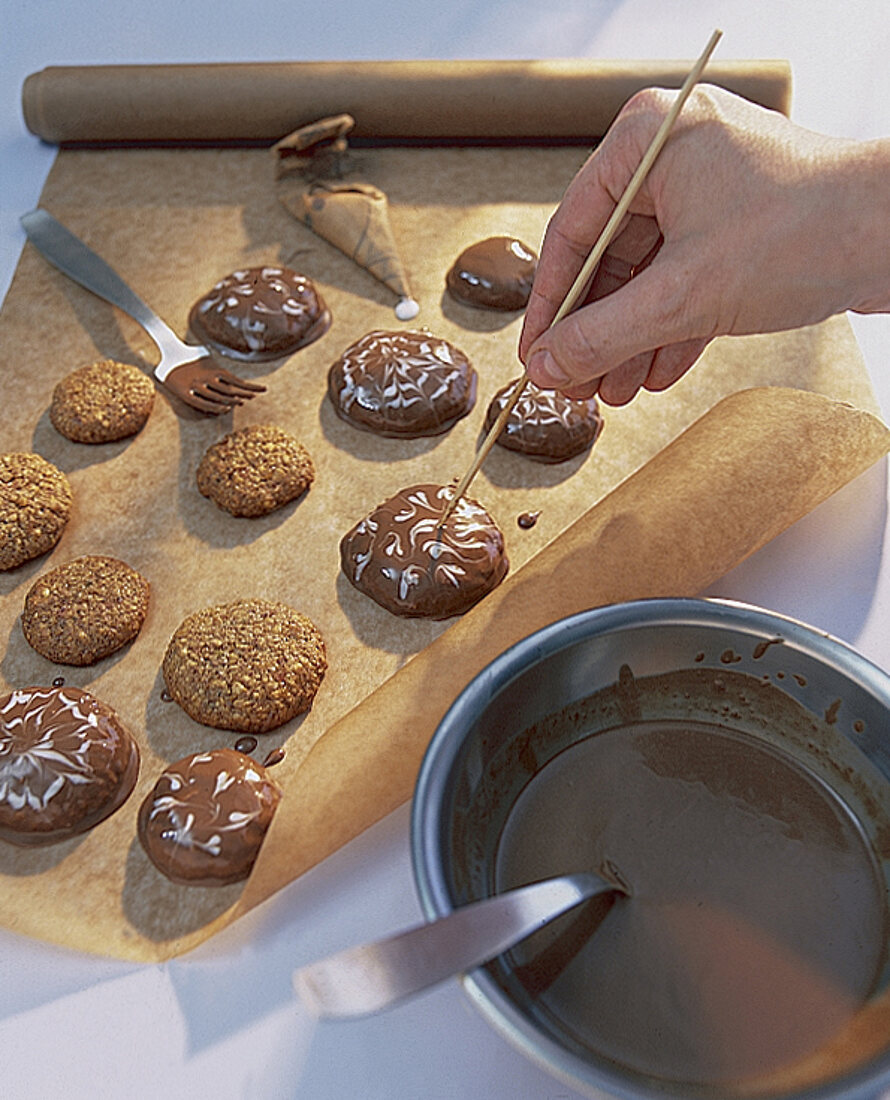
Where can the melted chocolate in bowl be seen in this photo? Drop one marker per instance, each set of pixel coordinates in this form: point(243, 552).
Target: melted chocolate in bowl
point(755, 928)
point(731, 766)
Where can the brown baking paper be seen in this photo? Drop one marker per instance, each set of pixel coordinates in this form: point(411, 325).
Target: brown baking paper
point(650, 492)
point(701, 506)
point(552, 100)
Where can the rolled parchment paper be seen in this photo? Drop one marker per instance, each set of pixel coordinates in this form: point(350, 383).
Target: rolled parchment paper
point(738, 476)
point(552, 100)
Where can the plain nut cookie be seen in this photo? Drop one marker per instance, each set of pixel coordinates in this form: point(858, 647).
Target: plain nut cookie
point(102, 402)
point(255, 470)
point(250, 665)
point(35, 502)
point(85, 610)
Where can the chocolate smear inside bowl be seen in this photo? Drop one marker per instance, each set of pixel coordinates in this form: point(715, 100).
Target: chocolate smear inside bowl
point(748, 820)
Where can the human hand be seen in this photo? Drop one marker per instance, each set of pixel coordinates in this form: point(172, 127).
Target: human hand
point(745, 223)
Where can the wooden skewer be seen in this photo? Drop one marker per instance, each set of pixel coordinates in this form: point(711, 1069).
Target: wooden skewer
point(596, 253)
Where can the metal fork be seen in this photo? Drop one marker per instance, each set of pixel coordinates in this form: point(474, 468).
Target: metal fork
point(187, 370)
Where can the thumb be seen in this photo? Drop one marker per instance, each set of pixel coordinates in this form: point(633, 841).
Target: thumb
point(649, 312)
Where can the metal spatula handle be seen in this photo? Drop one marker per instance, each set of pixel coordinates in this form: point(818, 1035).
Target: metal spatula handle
point(366, 979)
point(76, 260)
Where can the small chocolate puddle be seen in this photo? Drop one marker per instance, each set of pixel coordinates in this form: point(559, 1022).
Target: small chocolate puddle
point(274, 757)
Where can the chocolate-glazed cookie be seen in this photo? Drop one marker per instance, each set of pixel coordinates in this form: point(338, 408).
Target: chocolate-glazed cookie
point(496, 273)
point(259, 313)
point(402, 384)
point(66, 763)
point(545, 424)
point(205, 819)
point(403, 558)
point(35, 503)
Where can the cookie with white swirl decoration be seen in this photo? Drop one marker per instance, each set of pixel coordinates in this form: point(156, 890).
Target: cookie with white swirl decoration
point(403, 384)
point(205, 819)
point(545, 424)
point(259, 313)
point(404, 559)
point(66, 763)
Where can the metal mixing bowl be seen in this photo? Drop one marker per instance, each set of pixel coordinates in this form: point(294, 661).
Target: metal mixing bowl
point(470, 779)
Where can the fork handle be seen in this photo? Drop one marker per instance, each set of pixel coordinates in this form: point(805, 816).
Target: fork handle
point(73, 258)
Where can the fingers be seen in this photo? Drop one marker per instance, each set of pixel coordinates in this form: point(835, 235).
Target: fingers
point(643, 335)
point(662, 305)
point(587, 206)
point(654, 371)
point(671, 363)
point(622, 384)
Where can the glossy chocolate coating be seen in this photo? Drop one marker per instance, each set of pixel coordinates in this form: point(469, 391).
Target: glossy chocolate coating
point(259, 313)
point(403, 559)
point(207, 816)
point(402, 384)
point(496, 273)
point(66, 763)
point(544, 424)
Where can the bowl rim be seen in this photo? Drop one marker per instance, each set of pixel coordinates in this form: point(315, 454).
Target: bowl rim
point(867, 1080)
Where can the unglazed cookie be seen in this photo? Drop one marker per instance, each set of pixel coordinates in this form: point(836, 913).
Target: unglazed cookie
point(102, 402)
point(35, 503)
point(253, 471)
point(545, 424)
point(402, 384)
point(259, 313)
point(85, 610)
point(496, 273)
point(205, 819)
point(249, 666)
point(66, 763)
point(403, 559)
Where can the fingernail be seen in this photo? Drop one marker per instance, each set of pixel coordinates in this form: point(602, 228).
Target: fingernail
point(544, 370)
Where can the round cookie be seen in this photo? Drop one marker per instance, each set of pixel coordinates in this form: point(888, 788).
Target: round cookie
point(259, 313)
point(85, 610)
point(205, 819)
point(102, 402)
point(255, 470)
point(249, 666)
point(402, 384)
point(403, 558)
point(66, 763)
point(496, 273)
point(35, 502)
point(545, 424)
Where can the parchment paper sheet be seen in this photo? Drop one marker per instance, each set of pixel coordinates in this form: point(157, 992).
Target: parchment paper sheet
point(554, 99)
point(174, 221)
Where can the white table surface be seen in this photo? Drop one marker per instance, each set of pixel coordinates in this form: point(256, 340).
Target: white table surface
point(223, 1022)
